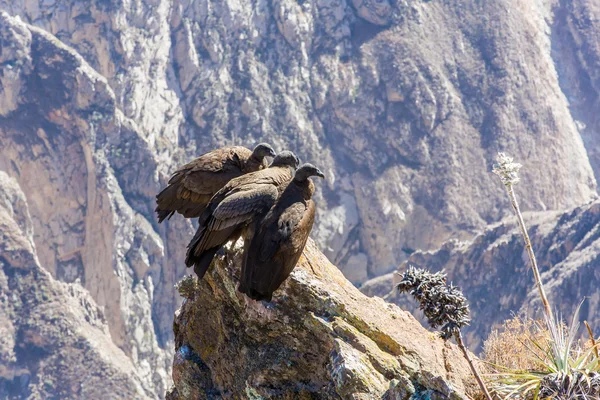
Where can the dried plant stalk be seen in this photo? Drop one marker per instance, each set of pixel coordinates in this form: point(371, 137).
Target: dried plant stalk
point(463, 348)
point(592, 338)
point(508, 170)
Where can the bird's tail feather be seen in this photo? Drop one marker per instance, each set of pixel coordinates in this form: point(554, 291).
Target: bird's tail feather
point(256, 295)
point(202, 263)
point(163, 214)
point(168, 202)
point(191, 257)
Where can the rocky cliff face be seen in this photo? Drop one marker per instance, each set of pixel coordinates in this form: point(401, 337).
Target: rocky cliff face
point(403, 103)
point(318, 338)
point(65, 142)
point(493, 269)
point(54, 339)
point(576, 51)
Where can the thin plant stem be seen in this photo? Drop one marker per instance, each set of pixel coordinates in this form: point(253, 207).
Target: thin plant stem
point(461, 345)
point(592, 338)
point(534, 266)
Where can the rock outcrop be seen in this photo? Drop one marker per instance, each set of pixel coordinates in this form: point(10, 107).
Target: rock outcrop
point(54, 339)
point(318, 338)
point(494, 273)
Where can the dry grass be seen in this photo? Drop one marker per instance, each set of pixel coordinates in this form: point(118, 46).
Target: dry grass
point(511, 347)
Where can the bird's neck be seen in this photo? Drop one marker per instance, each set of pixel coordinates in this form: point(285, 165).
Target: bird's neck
point(306, 186)
point(253, 163)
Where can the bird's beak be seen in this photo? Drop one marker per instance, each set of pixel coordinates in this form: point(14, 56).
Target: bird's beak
point(272, 153)
point(320, 174)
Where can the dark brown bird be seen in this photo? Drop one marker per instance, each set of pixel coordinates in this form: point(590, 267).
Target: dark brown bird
point(280, 237)
point(232, 208)
point(192, 186)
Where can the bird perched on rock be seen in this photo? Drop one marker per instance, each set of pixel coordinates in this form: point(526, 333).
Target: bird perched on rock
point(280, 237)
point(192, 186)
point(236, 205)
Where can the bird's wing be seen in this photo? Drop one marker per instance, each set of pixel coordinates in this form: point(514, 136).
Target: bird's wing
point(290, 250)
point(210, 172)
point(236, 203)
point(192, 186)
point(277, 229)
point(275, 249)
point(235, 210)
point(216, 159)
point(303, 228)
point(242, 205)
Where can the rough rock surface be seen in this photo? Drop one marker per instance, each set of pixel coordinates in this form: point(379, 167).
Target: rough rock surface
point(494, 273)
point(576, 52)
point(54, 340)
point(318, 338)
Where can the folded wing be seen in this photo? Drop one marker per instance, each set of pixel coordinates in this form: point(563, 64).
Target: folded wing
point(192, 186)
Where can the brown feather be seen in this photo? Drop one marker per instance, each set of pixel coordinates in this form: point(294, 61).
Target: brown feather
point(192, 185)
point(278, 242)
point(231, 209)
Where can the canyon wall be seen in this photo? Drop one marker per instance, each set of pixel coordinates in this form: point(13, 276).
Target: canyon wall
point(402, 103)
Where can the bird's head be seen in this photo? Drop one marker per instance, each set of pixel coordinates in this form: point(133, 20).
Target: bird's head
point(263, 150)
point(307, 170)
point(287, 158)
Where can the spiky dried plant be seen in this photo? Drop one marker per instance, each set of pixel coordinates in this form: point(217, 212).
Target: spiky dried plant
point(444, 306)
point(573, 385)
